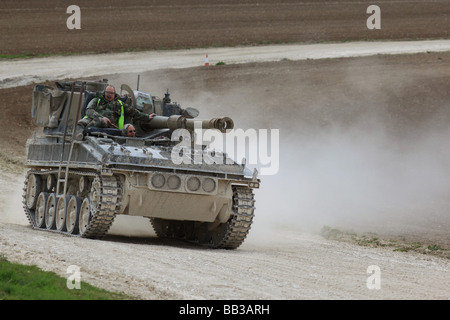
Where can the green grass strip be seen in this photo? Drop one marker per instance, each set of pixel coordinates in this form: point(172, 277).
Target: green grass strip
point(21, 282)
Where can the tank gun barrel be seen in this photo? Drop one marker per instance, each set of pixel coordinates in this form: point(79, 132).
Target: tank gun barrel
point(173, 122)
point(221, 124)
point(180, 122)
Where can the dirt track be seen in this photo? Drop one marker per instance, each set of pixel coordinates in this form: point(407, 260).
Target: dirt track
point(274, 263)
point(363, 147)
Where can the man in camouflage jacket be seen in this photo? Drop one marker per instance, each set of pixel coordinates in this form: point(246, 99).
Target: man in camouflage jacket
point(106, 111)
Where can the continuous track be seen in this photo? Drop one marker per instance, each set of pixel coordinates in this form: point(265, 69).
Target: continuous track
point(90, 211)
point(93, 212)
point(229, 235)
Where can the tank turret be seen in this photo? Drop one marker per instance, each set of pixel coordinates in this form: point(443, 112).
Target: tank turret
point(77, 187)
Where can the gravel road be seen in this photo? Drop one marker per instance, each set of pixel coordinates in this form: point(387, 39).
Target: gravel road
point(22, 72)
point(271, 264)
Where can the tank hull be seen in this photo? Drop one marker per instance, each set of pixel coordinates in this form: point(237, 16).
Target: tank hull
point(137, 180)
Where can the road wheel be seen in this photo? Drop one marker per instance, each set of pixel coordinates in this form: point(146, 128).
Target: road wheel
point(73, 214)
point(84, 216)
point(50, 211)
point(41, 205)
point(61, 213)
point(33, 190)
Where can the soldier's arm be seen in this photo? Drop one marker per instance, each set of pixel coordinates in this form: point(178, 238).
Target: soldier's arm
point(135, 114)
point(90, 109)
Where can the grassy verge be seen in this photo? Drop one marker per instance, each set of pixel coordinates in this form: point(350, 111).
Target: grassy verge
point(374, 240)
point(19, 282)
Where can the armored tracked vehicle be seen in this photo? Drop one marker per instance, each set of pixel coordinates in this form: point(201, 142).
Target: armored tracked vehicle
point(76, 186)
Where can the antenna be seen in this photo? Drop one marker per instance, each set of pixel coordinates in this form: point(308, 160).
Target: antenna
point(167, 97)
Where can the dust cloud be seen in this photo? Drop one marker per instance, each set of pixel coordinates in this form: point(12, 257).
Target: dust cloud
point(358, 177)
point(361, 164)
point(363, 142)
